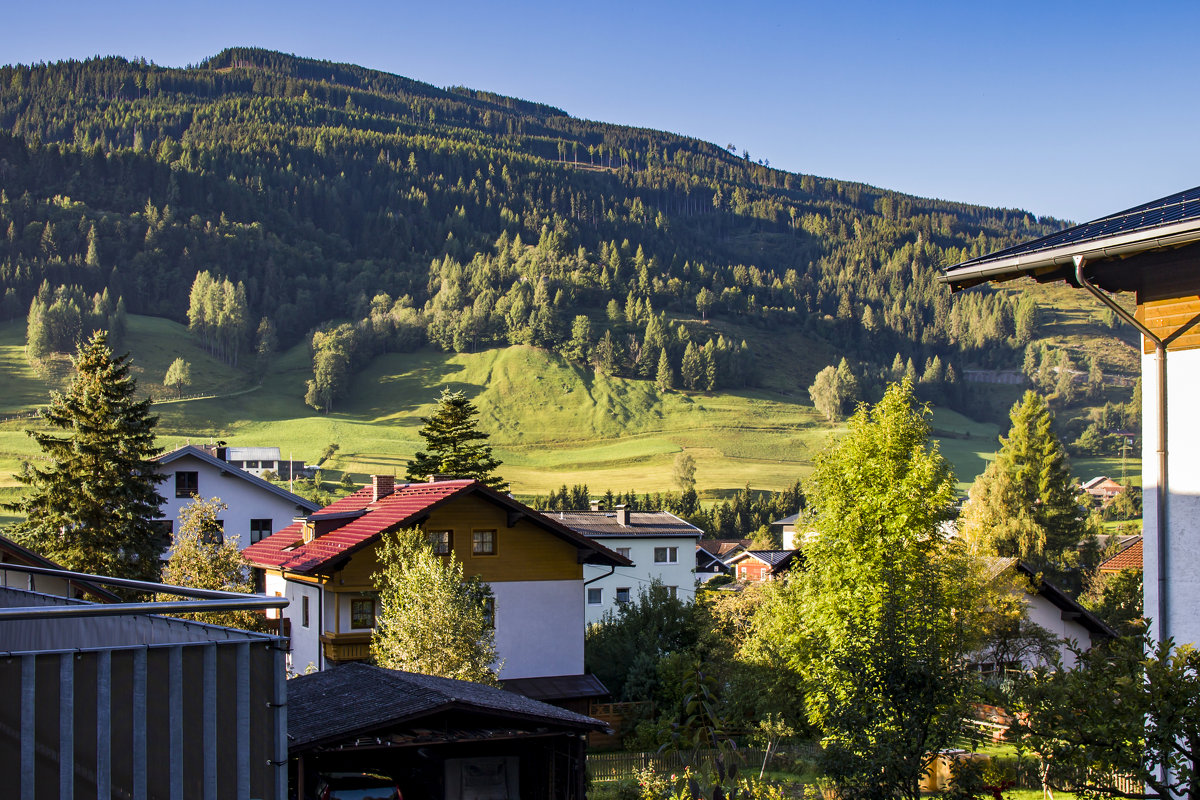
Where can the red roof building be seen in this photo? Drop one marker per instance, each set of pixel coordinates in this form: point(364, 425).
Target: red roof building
point(325, 564)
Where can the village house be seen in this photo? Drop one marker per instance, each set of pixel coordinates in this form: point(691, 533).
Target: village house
point(1152, 250)
point(660, 545)
point(324, 564)
point(756, 566)
point(1102, 489)
point(256, 508)
point(1128, 557)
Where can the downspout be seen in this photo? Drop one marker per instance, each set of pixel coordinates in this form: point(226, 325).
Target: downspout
point(1162, 494)
point(611, 569)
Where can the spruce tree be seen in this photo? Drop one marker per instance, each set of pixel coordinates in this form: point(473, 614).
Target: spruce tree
point(92, 507)
point(1025, 504)
point(456, 447)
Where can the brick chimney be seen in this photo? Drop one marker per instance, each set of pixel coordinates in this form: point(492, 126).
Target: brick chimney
point(623, 515)
point(382, 486)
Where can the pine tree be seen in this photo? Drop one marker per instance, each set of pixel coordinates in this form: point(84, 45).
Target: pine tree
point(1025, 504)
point(456, 447)
point(92, 508)
point(665, 377)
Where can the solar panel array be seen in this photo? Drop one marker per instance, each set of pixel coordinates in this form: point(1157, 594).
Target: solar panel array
point(1179, 207)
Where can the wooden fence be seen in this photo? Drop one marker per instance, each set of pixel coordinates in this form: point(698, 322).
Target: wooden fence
point(614, 766)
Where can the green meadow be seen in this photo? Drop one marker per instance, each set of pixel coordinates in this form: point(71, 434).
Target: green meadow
point(551, 422)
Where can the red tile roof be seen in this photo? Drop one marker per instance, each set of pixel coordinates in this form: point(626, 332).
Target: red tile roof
point(1129, 558)
point(286, 550)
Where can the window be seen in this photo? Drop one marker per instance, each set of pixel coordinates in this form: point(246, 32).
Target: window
point(187, 484)
point(483, 543)
point(623, 551)
point(304, 611)
point(674, 590)
point(595, 597)
point(259, 529)
point(215, 536)
point(489, 612)
point(251, 465)
point(441, 541)
point(362, 613)
point(666, 555)
point(622, 594)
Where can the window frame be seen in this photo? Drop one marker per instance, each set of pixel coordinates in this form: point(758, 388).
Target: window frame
point(358, 607)
point(183, 491)
point(304, 617)
point(626, 590)
point(598, 594)
point(489, 612)
point(440, 547)
point(476, 542)
point(257, 529)
point(625, 551)
point(670, 555)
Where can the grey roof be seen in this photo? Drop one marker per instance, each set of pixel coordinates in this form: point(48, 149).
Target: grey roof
point(252, 453)
point(601, 524)
point(772, 558)
point(994, 566)
point(225, 466)
point(788, 520)
point(357, 698)
point(1164, 223)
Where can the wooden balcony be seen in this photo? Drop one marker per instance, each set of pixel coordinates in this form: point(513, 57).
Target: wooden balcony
point(346, 646)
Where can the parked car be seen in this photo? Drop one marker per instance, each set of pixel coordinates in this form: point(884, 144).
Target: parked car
point(357, 786)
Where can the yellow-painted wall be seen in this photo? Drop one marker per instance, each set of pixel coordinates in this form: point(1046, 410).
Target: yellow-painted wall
point(524, 552)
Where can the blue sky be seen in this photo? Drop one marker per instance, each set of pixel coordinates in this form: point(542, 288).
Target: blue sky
point(1068, 109)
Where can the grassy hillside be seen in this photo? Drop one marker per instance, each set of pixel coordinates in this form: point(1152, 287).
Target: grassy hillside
point(551, 422)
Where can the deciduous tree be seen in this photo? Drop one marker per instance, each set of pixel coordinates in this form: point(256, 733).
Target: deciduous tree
point(179, 375)
point(431, 620)
point(202, 558)
point(876, 624)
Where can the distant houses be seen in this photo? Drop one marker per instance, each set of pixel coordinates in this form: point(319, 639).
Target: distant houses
point(661, 546)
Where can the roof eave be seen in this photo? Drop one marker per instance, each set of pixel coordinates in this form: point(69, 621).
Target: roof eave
point(1015, 266)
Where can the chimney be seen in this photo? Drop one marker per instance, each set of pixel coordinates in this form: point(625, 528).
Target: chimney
point(595, 505)
point(623, 515)
point(382, 486)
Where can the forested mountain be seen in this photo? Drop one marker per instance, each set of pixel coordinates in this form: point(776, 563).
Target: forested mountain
point(310, 193)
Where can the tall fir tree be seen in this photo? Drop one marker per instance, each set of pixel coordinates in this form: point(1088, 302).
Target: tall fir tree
point(92, 508)
point(1025, 503)
point(455, 445)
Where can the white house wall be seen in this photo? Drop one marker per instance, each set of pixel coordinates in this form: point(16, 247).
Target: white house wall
point(246, 501)
point(538, 630)
point(1049, 616)
point(1181, 582)
point(681, 574)
point(305, 642)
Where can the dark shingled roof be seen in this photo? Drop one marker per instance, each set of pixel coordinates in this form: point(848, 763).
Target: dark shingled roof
point(355, 699)
point(1168, 222)
point(775, 559)
point(600, 524)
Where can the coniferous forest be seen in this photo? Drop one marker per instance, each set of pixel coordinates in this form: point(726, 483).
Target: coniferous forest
point(366, 213)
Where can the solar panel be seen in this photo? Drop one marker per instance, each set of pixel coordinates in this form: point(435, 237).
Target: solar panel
point(1178, 207)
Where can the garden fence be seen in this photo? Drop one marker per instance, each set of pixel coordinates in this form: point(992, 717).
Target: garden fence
point(614, 766)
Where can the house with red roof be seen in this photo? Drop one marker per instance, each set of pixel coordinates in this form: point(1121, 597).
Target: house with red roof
point(324, 564)
point(1129, 557)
